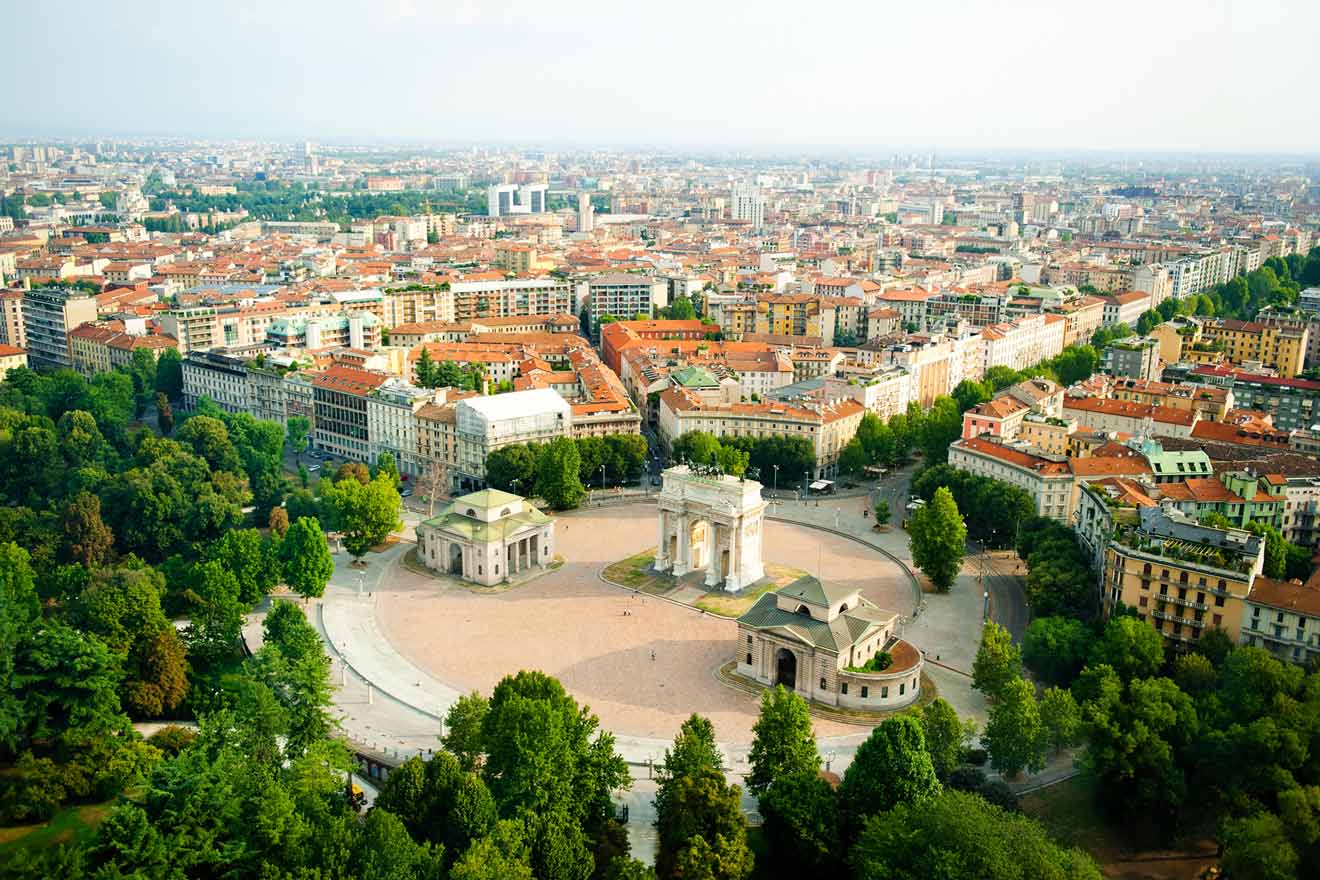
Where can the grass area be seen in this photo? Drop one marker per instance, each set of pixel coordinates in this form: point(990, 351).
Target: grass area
point(736, 604)
point(635, 572)
point(1070, 811)
point(67, 826)
point(1071, 814)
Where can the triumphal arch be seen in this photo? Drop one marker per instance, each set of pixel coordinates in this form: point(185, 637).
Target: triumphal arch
point(710, 521)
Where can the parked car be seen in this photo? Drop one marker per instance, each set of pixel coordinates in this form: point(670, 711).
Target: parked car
point(405, 493)
point(313, 467)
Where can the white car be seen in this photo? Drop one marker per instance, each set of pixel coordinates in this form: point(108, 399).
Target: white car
point(313, 467)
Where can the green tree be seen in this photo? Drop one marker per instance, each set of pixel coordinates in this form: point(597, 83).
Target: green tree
point(463, 723)
point(209, 439)
point(252, 561)
point(701, 831)
point(425, 370)
point(1257, 847)
point(87, 538)
point(298, 430)
point(501, 855)
point(308, 565)
point(782, 740)
point(694, 753)
point(941, 426)
point(853, 458)
point(681, 309)
point(1194, 674)
point(164, 414)
point(512, 468)
point(1014, 735)
point(1060, 717)
point(20, 611)
point(971, 392)
point(946, 736)
point(365, 514)
point(801, 829)
point(1056, 648)
point(960, 836)
point(217, 617)
point(891, 767)
point(557, 475)
point(1148, 321)
point(939, 539)
point(1131, 647)
point(544, 752)
point(998, 661)
point(286, 627)
point(387, 468)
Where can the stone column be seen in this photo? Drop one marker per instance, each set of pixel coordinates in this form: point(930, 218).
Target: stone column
point(680, 566)
point(733, 582)
point(713, 551)
point(662, 560)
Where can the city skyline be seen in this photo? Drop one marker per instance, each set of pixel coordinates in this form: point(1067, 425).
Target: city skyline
point(954, 77)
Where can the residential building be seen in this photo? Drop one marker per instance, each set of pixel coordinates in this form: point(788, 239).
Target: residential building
point(506, 199)
point(484, 424)
point(1135, 358)
point(99, 349)
point(1290, 403)
point(1130, 418)
point(11, 356)
point(1125, 307)
point(340, 395)
point(1181, 576)
point(746, 204)
point(1046, 478)
point(1283, 617)
point(1282, 349)
point(49, 313)
point(623, 297)
point(218, 375)
point(827, 426)
point(790, 315)
point(392, 424)
point(1023, 342)
point(11, 319)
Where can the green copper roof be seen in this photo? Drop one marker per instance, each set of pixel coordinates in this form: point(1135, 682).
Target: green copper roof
point(694, 377)
point(487, 498)
point(838, 635)
point(810, 590)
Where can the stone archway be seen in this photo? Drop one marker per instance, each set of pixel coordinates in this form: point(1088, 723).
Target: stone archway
point(456, 559)
point(786, 668)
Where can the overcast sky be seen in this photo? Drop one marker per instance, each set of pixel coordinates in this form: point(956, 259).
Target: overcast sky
point(1201, 76)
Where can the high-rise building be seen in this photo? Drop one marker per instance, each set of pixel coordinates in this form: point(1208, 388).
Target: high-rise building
point(504, 199)
point(49, 313)
point(748, 204)
point(586, 220)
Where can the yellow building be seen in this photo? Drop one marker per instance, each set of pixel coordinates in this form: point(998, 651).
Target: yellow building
point(1283, 348)
point(788, 315)
point(1181, 576)
point(1046, 433)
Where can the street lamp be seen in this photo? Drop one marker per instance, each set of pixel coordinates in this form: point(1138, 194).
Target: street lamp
point(602, 479)
point(775, 491)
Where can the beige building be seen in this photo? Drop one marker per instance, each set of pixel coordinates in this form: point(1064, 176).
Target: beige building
point(11, 319)
point(11, 356)
point(49, 313)
point(487, 537)
point(829, 644)
point(96, 349)
point(1181, 576)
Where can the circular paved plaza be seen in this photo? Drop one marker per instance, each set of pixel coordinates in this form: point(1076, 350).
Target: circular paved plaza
point(571, 625)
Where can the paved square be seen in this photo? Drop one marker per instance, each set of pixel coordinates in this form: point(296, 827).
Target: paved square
point(643, 672)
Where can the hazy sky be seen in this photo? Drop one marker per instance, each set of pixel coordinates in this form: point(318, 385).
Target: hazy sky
point(1151, 75)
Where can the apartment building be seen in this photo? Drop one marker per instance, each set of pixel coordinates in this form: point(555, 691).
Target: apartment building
point(1181, 576)
point(11, 319)
point(1023, 342)
point(1125, 307)
point(791, 315)
point(99, 349)
point(1135, 358)
point(623, 297)
point(1282, 349)
point(49, 314)
point(392, 423)
point(827, 426)
point(1081, 318)
point(1047, 479)
point(217, 375)
point(1130, 418)
point(484, 424)
point(624, 335)
point(339, 396)
point(1292, 404)
point(1283, 617)
point(361, 330)
point(11, 356)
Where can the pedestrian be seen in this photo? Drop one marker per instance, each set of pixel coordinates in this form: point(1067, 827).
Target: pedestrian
point(653, 656)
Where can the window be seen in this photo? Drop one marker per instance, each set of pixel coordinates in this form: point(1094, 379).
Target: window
point(843, 688)
point(901, 689)
point(749, 659)
point(1143, 601)
point(749, 641)
point(884, 693)
point(823, 684)
point(1218, 619)
point(865, 692)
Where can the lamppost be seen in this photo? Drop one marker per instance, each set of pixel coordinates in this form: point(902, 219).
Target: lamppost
point(776, 486)
point(602, 479)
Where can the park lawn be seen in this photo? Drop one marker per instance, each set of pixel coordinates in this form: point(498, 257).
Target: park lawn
point(75, 823)
point(734, 605)
point(635, 572)
point(1071, 813)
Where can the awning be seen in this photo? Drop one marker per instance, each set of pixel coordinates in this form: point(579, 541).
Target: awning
point(821, 484)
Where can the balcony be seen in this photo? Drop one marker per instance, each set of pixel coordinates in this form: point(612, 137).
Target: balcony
point(1186, 603)
point(1164, 615)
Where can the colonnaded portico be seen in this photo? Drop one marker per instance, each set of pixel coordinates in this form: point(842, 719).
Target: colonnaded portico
point(710, 522)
